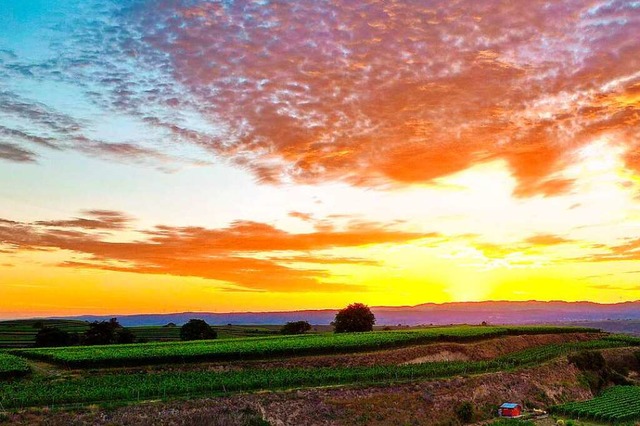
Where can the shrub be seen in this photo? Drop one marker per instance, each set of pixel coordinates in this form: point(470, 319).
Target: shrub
point(107, 333)
point(49, 337)
point(197, 329)
point(124, 335)
point(356, 317)
point(296, 327)
point(464, 412)
point(588, 360)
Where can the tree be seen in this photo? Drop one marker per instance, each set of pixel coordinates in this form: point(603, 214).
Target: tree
point(588, 360)
point(295, 327)
point(355, 317)
point(464, 412)
point(124, 335)
point(197, 329)
point(107, 333)
point(49, 337)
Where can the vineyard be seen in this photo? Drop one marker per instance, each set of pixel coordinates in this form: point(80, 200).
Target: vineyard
point(12, 366)
point(144, 386)
point(631, 340)
point(617, 404)
point(270, 347)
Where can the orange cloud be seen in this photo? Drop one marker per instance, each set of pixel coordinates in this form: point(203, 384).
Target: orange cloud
point(627, 251)
point(546, 240)
point(378, 94)
point(238, 254)
point(402, 93)
point(307, 217)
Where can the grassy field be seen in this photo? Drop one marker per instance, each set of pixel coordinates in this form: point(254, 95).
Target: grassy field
point(268, 347)
point(114, 387)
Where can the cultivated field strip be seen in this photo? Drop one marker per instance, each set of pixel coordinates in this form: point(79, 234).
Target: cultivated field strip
point(127, 387)
point(631, 340)
point(270, 347)
point(22, 333)
point(12, 366)
point(617, 404)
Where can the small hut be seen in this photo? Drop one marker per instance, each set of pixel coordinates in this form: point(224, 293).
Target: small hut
point(510, 409)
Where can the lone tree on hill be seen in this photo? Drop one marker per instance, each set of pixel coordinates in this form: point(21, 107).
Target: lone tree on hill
point(197, 329)
point(355, 317)
point(296, 327)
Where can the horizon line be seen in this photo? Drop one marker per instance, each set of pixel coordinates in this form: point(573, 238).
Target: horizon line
point(115, 315)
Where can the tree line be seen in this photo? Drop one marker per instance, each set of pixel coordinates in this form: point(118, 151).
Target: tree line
point(356, 317)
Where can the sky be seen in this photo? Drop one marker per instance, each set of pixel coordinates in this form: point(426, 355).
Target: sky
point(255, 155)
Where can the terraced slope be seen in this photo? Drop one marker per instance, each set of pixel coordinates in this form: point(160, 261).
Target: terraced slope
point(112, 387)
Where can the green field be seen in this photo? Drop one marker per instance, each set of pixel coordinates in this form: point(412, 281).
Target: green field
point(268, 347)
point(12, 366)
point(616, 404)
point(113, 387)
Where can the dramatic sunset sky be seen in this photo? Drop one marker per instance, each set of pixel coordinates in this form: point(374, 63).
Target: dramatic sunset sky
point(167, 156)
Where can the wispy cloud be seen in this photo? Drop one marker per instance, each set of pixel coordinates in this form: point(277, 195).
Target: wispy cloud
point(97, 219)
point(12, 152)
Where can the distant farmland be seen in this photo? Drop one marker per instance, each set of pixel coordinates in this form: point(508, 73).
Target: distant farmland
point(22, 333)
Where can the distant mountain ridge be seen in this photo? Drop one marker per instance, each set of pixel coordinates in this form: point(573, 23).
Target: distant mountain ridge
point(493, 312)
